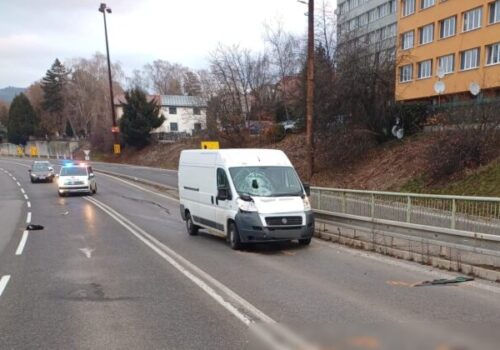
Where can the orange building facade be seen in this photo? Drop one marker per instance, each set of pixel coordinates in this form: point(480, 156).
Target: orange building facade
point(456, 42)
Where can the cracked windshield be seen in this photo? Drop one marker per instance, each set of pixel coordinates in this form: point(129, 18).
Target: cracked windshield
point(265, 174)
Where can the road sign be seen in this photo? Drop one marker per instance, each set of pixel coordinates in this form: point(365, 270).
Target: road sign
point(20, 151)
point(87, 154)
point(116, 148)
point(115, 129)
point(34, 151)
point(210, 145)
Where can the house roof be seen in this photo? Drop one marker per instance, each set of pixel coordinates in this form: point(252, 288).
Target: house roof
point(182, 101)
point(170, 100)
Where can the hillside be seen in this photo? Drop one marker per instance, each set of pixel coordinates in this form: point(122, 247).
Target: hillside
point(393, 166)
point(7, 94)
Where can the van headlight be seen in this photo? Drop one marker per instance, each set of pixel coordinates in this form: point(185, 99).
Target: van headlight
point(248, 206)
point(307, 204)
point(60, 182)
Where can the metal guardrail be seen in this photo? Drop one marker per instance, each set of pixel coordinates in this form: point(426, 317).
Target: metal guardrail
point(450, 214)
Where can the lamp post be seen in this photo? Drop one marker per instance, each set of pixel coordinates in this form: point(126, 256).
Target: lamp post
point(116, 148)
point(310, 89)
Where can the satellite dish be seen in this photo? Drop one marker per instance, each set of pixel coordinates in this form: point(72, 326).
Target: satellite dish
point(439, 87)
point(474, 88)
point(440, 73)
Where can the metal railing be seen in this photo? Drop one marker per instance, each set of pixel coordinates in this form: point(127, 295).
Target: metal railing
point(478, 215)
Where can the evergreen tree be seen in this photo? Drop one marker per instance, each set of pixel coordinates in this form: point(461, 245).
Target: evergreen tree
point(23, 121)
point(140, 116)
point(69, 130)
point(53, 85)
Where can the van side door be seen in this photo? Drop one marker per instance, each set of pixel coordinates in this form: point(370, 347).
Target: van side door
point(223, 204)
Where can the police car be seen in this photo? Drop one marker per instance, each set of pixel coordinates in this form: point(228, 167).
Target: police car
point(76, 178)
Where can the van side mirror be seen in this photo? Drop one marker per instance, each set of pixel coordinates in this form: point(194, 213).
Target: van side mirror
point(223, 194)
point(29, 170)
point(91, 175)
point(307, 189)
point(57, 175)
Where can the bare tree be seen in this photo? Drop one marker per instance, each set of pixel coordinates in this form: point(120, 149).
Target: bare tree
point(326, 28)
point(165, 78)
point(286, 59)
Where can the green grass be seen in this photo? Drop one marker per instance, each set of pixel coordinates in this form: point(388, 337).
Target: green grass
point(483, 182)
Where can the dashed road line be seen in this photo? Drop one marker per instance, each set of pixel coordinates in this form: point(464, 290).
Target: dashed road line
point(3, 283)
point(26, 197)
point(22, 190)
point(28, 203)
point(22, 243)
point(28, 217)
point(17, 182)
point(13, 178)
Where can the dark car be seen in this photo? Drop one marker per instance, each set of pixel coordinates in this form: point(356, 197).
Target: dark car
point(41, 171)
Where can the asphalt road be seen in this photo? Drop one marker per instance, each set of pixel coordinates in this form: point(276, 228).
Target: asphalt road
point(118, 271)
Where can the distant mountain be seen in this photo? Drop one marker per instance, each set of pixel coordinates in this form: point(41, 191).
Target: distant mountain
point(7, 94)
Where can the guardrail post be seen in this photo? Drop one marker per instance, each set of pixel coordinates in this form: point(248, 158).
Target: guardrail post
point(408, 209)
point(343, 202)
point(453, 213)
point(373, 206)
point(319, 199)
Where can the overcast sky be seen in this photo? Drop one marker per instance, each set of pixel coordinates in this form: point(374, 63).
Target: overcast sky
point(34, 32)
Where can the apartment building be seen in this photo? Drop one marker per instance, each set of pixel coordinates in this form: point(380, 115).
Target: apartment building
point(456, 42)
point(373, 22)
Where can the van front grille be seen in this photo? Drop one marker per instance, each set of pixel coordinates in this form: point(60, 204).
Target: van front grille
point(284, 220)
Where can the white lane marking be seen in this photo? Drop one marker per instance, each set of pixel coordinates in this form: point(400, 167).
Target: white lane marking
point(175, 260)
point(26, 197)
point(87, 252)
point(3, 283)
point(22, 243)
point(22, 190)
point(17, 182)
point(28, 203)
point(140, 187)
point(13, 178)
point(28, 217)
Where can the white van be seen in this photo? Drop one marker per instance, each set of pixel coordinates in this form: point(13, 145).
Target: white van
point(245, 195)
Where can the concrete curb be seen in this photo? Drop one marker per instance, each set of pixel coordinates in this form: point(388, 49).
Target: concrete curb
point(419, 257)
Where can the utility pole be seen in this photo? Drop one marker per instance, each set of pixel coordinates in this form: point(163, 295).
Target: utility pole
point(116, 146)
point(310, 92)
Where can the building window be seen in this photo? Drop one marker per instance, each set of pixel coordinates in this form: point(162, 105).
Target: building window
point(408, 40)
point(196, 110)
point(384, 10)
point(393, 6)
point(493, 52)
point(469, 59)
point(472, 19)
point(447, 64)
point(174, 127)
point(408, 7)
point(172, 110)
point(425, 69)
point(448, 27)
point(363, 19)
point(495, 12)
point(426, 34)
point(427, 3)
point(393, 30)
point(353, 23)
point(197, 127)
point(373, 15)
point(406, 73)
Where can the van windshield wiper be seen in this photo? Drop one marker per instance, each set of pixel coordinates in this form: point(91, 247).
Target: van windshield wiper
point(292, 194)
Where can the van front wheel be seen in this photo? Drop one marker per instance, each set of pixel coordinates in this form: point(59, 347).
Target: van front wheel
point(192, 229)
point(234, 237)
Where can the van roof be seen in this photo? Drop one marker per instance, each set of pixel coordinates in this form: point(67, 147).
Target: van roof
point(237, 157)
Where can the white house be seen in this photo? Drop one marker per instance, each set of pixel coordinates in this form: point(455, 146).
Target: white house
point(184, 115)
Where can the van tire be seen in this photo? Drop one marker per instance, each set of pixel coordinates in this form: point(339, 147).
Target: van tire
point(191, 228)
point(305, 241)
point(234, 237)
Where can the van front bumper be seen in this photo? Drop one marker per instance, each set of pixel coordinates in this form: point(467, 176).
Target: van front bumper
point(251, 230)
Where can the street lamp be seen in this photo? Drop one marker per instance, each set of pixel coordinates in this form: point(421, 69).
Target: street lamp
point(104, 9)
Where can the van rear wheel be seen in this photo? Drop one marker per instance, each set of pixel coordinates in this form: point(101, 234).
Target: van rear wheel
point(234, 237)
point(191, 228)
